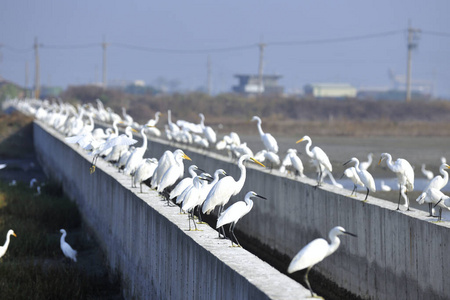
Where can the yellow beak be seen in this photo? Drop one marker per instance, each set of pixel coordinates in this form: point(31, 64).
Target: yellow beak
point(257, 162)
point(300, 140)
point(186, 157)
point(14, 234)
point(379, 162)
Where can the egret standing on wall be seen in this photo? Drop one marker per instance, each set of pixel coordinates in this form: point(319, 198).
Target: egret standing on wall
point(269, 141)
point(318, 157)
point(315, 252)
point(235, 212)
point(365, 177)
point(405, 173)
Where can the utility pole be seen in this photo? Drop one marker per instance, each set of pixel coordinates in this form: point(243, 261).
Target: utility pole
point(208, 66)
point(37, 80)
point(260, 69)
point(26, 79)
point(104, 46)
point(413, 36)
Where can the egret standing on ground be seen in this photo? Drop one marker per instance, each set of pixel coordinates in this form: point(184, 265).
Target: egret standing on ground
point(269, 141)
point(318, 156)
point(66, 248)
point(235, 212)
point(5, 246)
point(405, 173)
point(315, 252)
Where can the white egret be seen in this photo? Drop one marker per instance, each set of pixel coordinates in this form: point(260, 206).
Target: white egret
point(174, 173)
point(402, 168)
point(364, 165)
point(5, 246)
point(208, 132)
point(32, 182)
point(427, 173)
point(153, 122)
point(227, 187)
point(315, 252)
point(144, 171)
point(172, 126)
point(66, 248)
point(235, 212)
point(268, 140)
point(242, 149)
point(192, 199)
point(183, 184)
point(318, 157)
point(127, 118)
point(443, 202)
point(136, 156)
point(164, 163)
point(296, 162)
point(118, 150)
point(385, 187)
point(438, 183)
point(365, 177)
point(353, 176)
point(2, 166)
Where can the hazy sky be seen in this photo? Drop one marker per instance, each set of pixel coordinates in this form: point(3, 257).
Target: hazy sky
point(71, 32)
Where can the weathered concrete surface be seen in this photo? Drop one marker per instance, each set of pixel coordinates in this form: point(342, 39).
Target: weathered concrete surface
point(148, 242)
point(397, 255)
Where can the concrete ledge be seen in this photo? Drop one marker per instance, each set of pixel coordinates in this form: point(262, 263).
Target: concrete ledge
point(147, 242)
point(397, 255)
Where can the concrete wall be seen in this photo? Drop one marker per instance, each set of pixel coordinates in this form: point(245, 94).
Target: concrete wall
point(148, 242)
point(397, 255)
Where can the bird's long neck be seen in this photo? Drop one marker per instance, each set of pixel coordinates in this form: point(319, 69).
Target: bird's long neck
point(63, 237)
point(369, 159)
point(144, 138)
point(192, 172)
point(116, 129)
point(307, 148)
point(7, 241)
point(156, 118)
point(389, 162)
point(241, 181)
point(261, 132)
point(335, 242)
point(444, 174)
point(169, 117)
point(357, 166)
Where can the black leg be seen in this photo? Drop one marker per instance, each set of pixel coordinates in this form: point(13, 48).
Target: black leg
point(354, 190)
point(232, 232)
point(141, 187)
point(367, 194)
point(399, 196)
point(430, 209)
point(440, 214)
point(307, 281)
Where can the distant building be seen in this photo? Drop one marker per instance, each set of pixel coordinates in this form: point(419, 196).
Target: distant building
point(330, 90)
point(249, 85)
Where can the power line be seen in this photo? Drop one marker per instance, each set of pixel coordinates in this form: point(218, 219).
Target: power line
point(183, 51)
point(74, 46)
point(13, 49)
point(445, 34)
point(337, 40)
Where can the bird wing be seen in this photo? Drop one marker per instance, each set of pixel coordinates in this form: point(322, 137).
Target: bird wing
point(232, 213)
point(270, 142)
point(368, 180)
point(219, 194)
point(310, 255)
point(68, 251)
point(322, 157)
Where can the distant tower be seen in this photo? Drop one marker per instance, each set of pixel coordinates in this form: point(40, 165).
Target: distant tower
point(104, 46)
point(208, 66)
point(413, 36)
point(37, 80)
point(261, 65)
